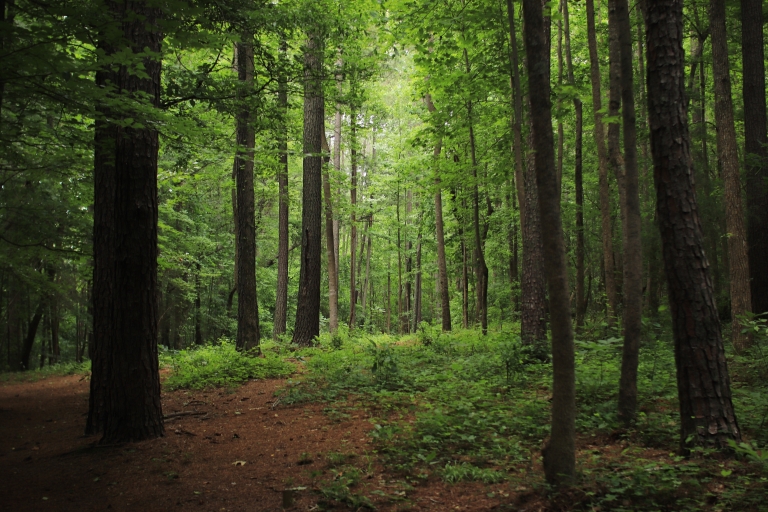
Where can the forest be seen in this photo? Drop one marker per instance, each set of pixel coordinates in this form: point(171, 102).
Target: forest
point(383, 254)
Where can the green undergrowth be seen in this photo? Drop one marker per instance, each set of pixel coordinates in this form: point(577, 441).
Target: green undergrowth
point(55, 370)
point(464, 407)
point(221, 365)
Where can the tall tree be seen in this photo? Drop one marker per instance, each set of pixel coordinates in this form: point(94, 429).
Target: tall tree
point(308, 302)
point(633, 262)
point(727, 154)
point(281, 295)
point(602, 158)
point(353, 222)
point(707, 417)
point(560, 451)
point(755, 149)
point(248, 334)
point(125, 382)
point(330, 246)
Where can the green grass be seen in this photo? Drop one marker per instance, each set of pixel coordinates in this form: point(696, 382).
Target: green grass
point(47, 371)
point(221, 365)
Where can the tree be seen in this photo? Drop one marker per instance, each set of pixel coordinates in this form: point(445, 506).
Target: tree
point(755, 150)
point(125, 383)
point(308, 302)
point(727, 154)
point(281, 295)
point(248, 334)
point(560, 452)
point(703, 384)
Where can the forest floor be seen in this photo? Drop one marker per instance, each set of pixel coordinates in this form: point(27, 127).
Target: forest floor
point(239, 454)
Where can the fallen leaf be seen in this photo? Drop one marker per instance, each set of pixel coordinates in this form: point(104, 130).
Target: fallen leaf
point(239, 463)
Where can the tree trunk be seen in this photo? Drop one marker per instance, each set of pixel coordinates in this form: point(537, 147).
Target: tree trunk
point(29, 339)
point(418, 288)
point(633, 261)
point(366, 297)
point(333, 276)
point(406, 313)
point(703, 383)
point(442, 267)
point(248, 334)
point(755, 150)
point(560, 452)
point(353, 223)
point(308, 302)
point(741, 300)
point(125, 382)
point(198, 311)
point(581, 305)
point(281, 296)
point(602, 157)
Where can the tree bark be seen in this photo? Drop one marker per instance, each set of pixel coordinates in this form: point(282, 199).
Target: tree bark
point(442, 267)
point(125, 382)
point(602, 157)
point(755, 149)
point(281, 295)
point(633, 261)
point(560, 452)
point(308, 302)
point(706, 411)
point(581, 304)
point(741, 297)
point(248, 334)
point(333, 276)
point(353, 222)
point(29, 339)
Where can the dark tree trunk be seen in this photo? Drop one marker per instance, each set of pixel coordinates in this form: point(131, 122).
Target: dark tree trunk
point(418, 285)
point(248, 334)
point(281, 297)
point(560, 452)
point(727, 152)
point(633, 262)
point(703, 384)
point(755, 149)
point(125, 384)
point(29, 339)
point(602, 157)
point(308, 302)
point(198, 310)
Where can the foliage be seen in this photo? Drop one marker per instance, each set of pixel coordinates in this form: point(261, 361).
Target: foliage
point(221, 365)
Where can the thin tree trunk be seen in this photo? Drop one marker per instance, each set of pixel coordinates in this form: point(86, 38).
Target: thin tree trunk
point(706, 410)
point(248, 334)
point(755, 149)
point(577, 176)
point(633, 261)
point(560, 452)
point(366, 298)
point(445, 298)
point(407, 302)
point(333, 276)
point(308, 301)
point(29, 339)
point(741, 300)
point(353, 223)
point(602, 157)
point(337, 158)
point(198, 312)
point(281, 295)
point(417, 291)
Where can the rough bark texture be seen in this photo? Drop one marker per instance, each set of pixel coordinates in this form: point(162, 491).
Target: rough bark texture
point(560, 451)
point(706, 410)
point(308, 302)
point(247, 304)
point(29, 339)
point(581, 303)
point(330, 249)
point(125, 382)
point(755, 149)
point(633, 262)
point(727, 153)
point(281, 296)
point(602, 157)
point(445, 298)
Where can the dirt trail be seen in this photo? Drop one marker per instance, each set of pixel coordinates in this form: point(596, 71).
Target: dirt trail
point(239, 454)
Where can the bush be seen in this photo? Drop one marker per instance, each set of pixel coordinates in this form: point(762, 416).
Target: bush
point(222, 366)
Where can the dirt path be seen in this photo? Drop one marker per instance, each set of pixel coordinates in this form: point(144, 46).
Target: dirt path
point(238, 455)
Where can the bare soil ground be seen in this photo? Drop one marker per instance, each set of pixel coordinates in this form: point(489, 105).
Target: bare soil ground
point(234, 453)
